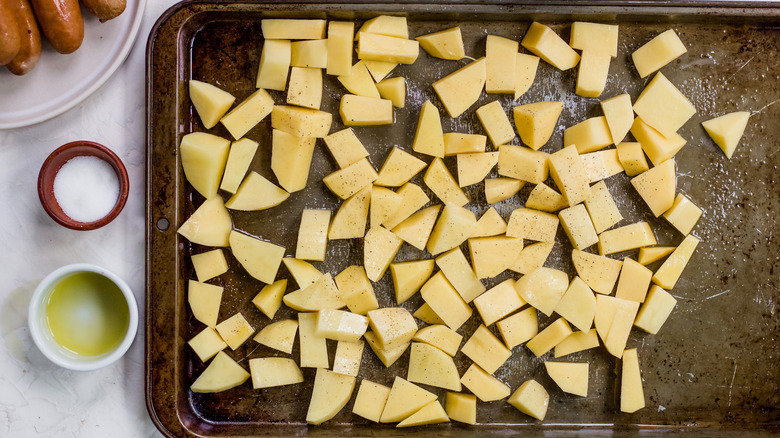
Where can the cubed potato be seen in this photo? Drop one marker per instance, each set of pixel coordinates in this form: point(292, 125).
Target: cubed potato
point(386, 25)
point(619, 113)
point(340, 36)
point(571, 377)
point(313, 235)
point(207, 344)
point(606, 308)
point(542, 288)
point(594, 37)
point(351, 179)
point(496, 123)
point(491, 256)
point(431, 366)
point(458, 143)
point(355, 290)
point(379, 69)
point(274, 371)
point(304, 273)
point(387, 355)
point(536, 122)
point(274, 65)
point(501, 189)
point(625, 238)
point(544, 198)
point(203, 158)
point(379, 249)
point(651, 254)
point(461, 407)
point(486, 387)
point(279, 335)
point(405, 399)
point(683, 214)
point(546, 44)
point(656, 53)
point(667, 275)
point(522, 163)
point(592, 73)
point(601, 165)
point(408, 277)
point(445, 44)
point(235, 330)
point(349, 356)
point(432, 413)
point(578, 305)
point(490, 224)
point(598, 272)
point(349, 222)
point(256, 193)
point(340, 325)
point(577, 341)
point(441, 337)
point(375, 47)
point(455, 225)
point(393, 326)
point(531, 257)
point(248, 113)
point(658, 147)
point(445, 302)
point(634, 281)
point(269, 299)
point(370, 400)
point(416, 229)
point(305, 87)
point(441, 182)
point(462, 88)
point(525, 72)
point(309, 53)
point(209, 264)
point(456, 269)
point(301, 122)
point(261, 259)
point(365, 111)
point(292, 29)
point(501, 64)
point(384, 204)
point(620, 328)
point(486, 350)
point(498, 302)
point(569, 174)
point(330, 394)
point(548, 338)
point(727, 130)
point(314, 349)
point(359, 81)
point(210, 102)
point(526, 223)
point(655, 311)
point(531, 399)
point(394, 90)
point(602, 208)
point(210, 225)
point(413, 199)
point(429, 138)
point(322, 294)
point(589, 135)
point(240, 157)
point(518, 328)
point(222, 374)
point(657, 187)
point(632, 396)
point(345, 147)
point(662, 106)
point(632, 158)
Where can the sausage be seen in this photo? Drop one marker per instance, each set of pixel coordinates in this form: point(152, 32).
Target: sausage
point(105, 9)
point(61, 23)
point(9, 33)
point(30, 50)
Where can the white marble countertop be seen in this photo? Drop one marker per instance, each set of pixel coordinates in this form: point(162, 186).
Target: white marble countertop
point(37, 398)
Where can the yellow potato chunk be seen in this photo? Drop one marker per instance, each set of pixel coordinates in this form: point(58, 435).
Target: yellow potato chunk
point(441, 182)
point(569, 174)
point(658, 147)
point(269, 299)
point(313, 235)
point(493, 255)
point(355, 289)
point(531, 399)
point(388, 356)
point(240, 157)
point(662, 106)
point(292, 29)
point(429, 138)
point(269, 372)
point(445, 302)
point(203, 159)
point(462, 88)
point(536, 122)
point(279, 335)
point(546, 44)
point(386, 25)
point(571, 377)
point(375, 47)
point(379, 249)
point(578, 305)
point(525, 72)
point(207, 344)
point(501, 63)
point(432, 413)
point(531, 257)
point(408, 277)
point(291, 159)
point(651, 254)
point(348, 358)
point(501, 189)
point(393, 326)
point(210, 102)
point(248, 113)
point(445, 44)
point(370, 400)
point(543, 288)
point(404, 400)
point(601, 164)
point(458, 143)
point(632, 396)
point(349, 180)
point(340, 36)
point(498, 302)
point(486, 350)
point(256, 193)
point(667, 275)
point(394, 90)
point(210, 225)
point(330, 394)
point(456, 269)
point(349, 222)
point(632, 158)
point(304, 273)
point(602, 208)
point(486, 387)
point(209, 264)
point(614, 321)
point(314, 349)
point(235, 330)
point(305, 88)
point(365, 111)
point(322, 294)
point(274, 65)
point(656, 53)
point(473, 168)
point(222, 374)
point(655, 311)
point(625, 238)
point(634, 281)
point(619, 113)
point(683, 214)
point(461, 407)
point(592, 73)
point(379, 69)
point(441, 337)
point(301, 122)
point(455, 225)
point(657, 187)
point(544, 198)
point(598, 272)
point(577, 341)
point(490, 224)
point(594, 37)
point(496, 123)
point(384, 203)
point(727, 130)
point(359, 81)
point(412, 199)
point(340, 325)
point(309, 53)
point(549, 337)
point(261, 259)
point(431, 366)
point(522, 163)
point(518, 328)
point(526, 223)
point(589, 135)
point(345, 147)
point(416, 229)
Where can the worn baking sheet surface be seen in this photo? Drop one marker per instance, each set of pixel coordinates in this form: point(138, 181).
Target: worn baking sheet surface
point(713, 366)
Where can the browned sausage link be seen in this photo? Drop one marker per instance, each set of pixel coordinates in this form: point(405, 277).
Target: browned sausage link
point(61, 23)
point(9, 33)
point(30, 50)
point(105, 9)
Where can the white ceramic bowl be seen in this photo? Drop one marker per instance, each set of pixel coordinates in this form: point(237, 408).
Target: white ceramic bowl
point(43, 338)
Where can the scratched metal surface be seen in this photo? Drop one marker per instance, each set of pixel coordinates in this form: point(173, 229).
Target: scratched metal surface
point(712, 368)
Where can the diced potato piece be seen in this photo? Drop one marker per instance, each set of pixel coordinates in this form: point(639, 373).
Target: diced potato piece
point(413, 199)
point(330, 394)
point(656, 309)
point(549, 337)
point(375, 47)
point(531, 399)
point(269, 299)
point(222, 374)
point(314, 349)
point(571, 377)
point(656, 53)
point(544, 198)
point(349, 180)
point(625, 238)
point(486, 350)
point(496, 123)
point(569, 174)
point(388, 355)
point(458, 143)
point(525, 72)
point(350, 219)
point(429, 138)
point(210, 102)
point(393, 326)
point(493, 255)
point(322, 294)
point(416, 229)
point(462, 88)
point(577, 341)
point(261, 259)
point(601, 164)
point(445, 302)
point(486, 387)
point(279, 335)
point(384, 204)
point(632, 396)
point(632, 158)
point(578, 305)
point(461, 407)
point(394, 90)
point(359, 81)
point(592, 73)
point(594, 37)
point(207, 344)
point(441, 337)
point(313, 235)
point(625, 314)
point(606, 308)
point(256, 193)
point(589, 135)
point(662, 106)
point(379, 249)
point(340, 325)
point(309, 53)
point(536, 122)
point(304, 273)
point(657, 187)
point(445, 44)
point(598, 272)
point(355, 290)
point(431, 366)
point(619, 113)
point(365, 111)
point(667, 275)
point(501, 64)
point(405, 399)
point(473, 168)
point(340, 36)
point(501, 189)
point(634, 281)
point(248, 113)
point(498, 302)
point(301, 122)
point(546, 44)
point(543, 288)
point(432, 413)
point(291, 29)
point(658, 147)
point(683, 214)
point(522, 163)
point(235, 330)
point(370, 400)
point(274, 64)
point(305, 87)
point(456, 269)
point(651, 254)
point(210, 225)
point(531, 257)
point(408, 277)
point(727, 130)
point(490, 224)
point(274, 371)
point(348, 358)
point(203, 158)
point(526, 223)
point(379, 69)
point(602, 208)
point(386, 25)
point(209, 264)
point(519, 327)
point(399, 167)
point(454, 226)
point(240, 157)
point(345, 147)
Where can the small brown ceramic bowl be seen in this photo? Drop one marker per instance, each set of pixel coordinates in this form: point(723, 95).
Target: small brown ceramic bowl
point(54, 163)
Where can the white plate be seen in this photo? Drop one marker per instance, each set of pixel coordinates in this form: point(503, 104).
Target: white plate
point(60, 82)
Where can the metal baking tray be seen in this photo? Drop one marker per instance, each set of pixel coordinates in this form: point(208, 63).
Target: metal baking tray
point(713, 367)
